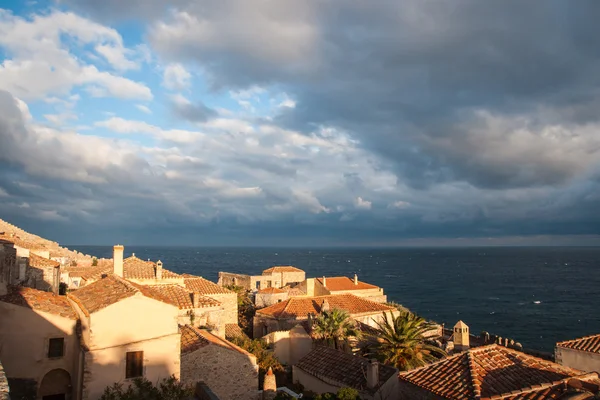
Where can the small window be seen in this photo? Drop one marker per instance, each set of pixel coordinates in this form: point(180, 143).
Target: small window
point(134, 367)
point(258, 284)
point(56, 348)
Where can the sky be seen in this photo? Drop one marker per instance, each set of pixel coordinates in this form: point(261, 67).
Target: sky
point(301, 123)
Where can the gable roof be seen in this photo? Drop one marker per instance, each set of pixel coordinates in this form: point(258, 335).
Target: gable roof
point(488, 371)
point(336, 283)
point(587, 343)
point(281, 268)
point(102, 293)
point(193, 338)
point(41, 262)
point(300, 307)
point(329, 364)
point(40, 301)
point(176, 295)
point(203, 286)
point(136, 268)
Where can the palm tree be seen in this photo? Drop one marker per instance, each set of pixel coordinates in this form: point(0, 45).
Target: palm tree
point(334, 328)
point(401, 342)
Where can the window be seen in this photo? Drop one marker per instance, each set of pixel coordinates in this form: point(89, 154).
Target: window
point(134, 367)
point(56, 347)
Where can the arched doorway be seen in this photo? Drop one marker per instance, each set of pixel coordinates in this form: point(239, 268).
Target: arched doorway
point(56, 385)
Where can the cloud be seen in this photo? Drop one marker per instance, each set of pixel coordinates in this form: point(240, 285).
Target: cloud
point(360, 203)
point(197, 112)
point(143, 108)
point(39, 64)
point(176, 77)
point(400, 204)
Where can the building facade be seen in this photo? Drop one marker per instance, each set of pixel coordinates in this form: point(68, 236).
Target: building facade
point(582, 353)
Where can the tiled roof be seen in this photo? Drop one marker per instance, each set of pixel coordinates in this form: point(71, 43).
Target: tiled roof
point(326, 364)
point(281, 268)
point(203, 286)
point(176, 295)
point(102, 293)
point(587, 343)
point(300, 307)
point(580, 388)
point(271, 290)
point(336, 283)
point(24, 243)
point(194, 338)
point(234, 331)
point(40, 301)
point(41, 262)
point(485, 372)
point(136, 268)
point(88, 273)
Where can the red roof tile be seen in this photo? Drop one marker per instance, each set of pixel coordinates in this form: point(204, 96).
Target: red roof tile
point(271, 290)
point(194, 338)
point(336, 283)
point(485, 372)
point(102, 293)
point(203, 286)
point(176, 295)
point(587, 343)
point(348, 370)
point(136, 268)
point(281, 268)
point(41, 262)
point(300, 307)
point(39, 301)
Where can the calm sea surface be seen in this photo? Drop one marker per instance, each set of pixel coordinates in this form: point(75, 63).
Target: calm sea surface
point(537, 296)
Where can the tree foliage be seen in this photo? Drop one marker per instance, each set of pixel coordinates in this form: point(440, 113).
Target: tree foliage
point(142, 389)
point(401, 342)
point(264, 357)
point(334, 328)
point(246, 309)
point(345, 393)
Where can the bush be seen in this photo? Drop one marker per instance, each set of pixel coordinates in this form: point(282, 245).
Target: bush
point(143, 389)
point(246, 309)
point(94, 261)
point(342, 394)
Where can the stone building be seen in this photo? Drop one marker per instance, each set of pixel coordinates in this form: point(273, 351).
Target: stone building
point(342, 285)
point(582, 353)
point(126, 332)
point(291, 345)
point(8, 262)
point(227, 298)
point(326, 370)
point(496, 372)
point(278, 277)
point(269, 296)
point(39, 346)
point(287, 314)
point(228, 370)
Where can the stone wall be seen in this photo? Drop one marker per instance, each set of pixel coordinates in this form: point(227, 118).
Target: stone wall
point(229, 302)
point(3, 385)
point(266, 299)
point(230, 374)
point(229, 279)
point(582, 360)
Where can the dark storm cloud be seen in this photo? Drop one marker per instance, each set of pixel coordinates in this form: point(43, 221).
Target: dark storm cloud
point(193, 112)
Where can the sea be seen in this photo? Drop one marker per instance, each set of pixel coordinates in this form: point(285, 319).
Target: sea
point(534, 295)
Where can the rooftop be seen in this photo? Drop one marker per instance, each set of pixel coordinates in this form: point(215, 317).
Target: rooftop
point(39, 301)
point(102, 293)
point(300, 307)
point(177, 296)
point(41, 262)
point(136, 268)
point(281, 268)
point(193, 339)
point(587, 343)
point(346, 369)
point(271, 290)
point(489, 372)
point(203, 286)
point(336, 283)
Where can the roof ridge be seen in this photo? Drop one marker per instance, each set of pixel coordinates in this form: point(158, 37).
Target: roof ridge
point(544, 385)
point(476, 386)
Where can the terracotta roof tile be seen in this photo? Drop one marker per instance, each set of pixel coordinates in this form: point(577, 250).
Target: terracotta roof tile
point(485, 372)
point(40, 301)
point(194, 338)
point(102, 293)
point(233, 331)
point(336, 283)
point(88, 273)
point(300, 307)
point(136, 268)
point(587, 343)
point(23, 242)
point(176, 295)
point(281, 268)
point(41, 262)
point(203, 286)
point(271, 290)
point(348, 370)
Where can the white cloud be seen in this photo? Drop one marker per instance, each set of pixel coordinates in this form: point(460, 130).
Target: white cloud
point(143, 108)
point(116, 56)
point(400, 204)
point(3, 193)
point(41, 60)
point(176, 77)
point(359, 202)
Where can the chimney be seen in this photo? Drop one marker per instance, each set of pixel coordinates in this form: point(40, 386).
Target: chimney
point(159, 270)
point(310, 287)
point(269, 385)
point(325, 306)
point(118, 260)
point(324, 281)
point(355, 279)
point(461, 336)
point(196, 299)
point(372, 374)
